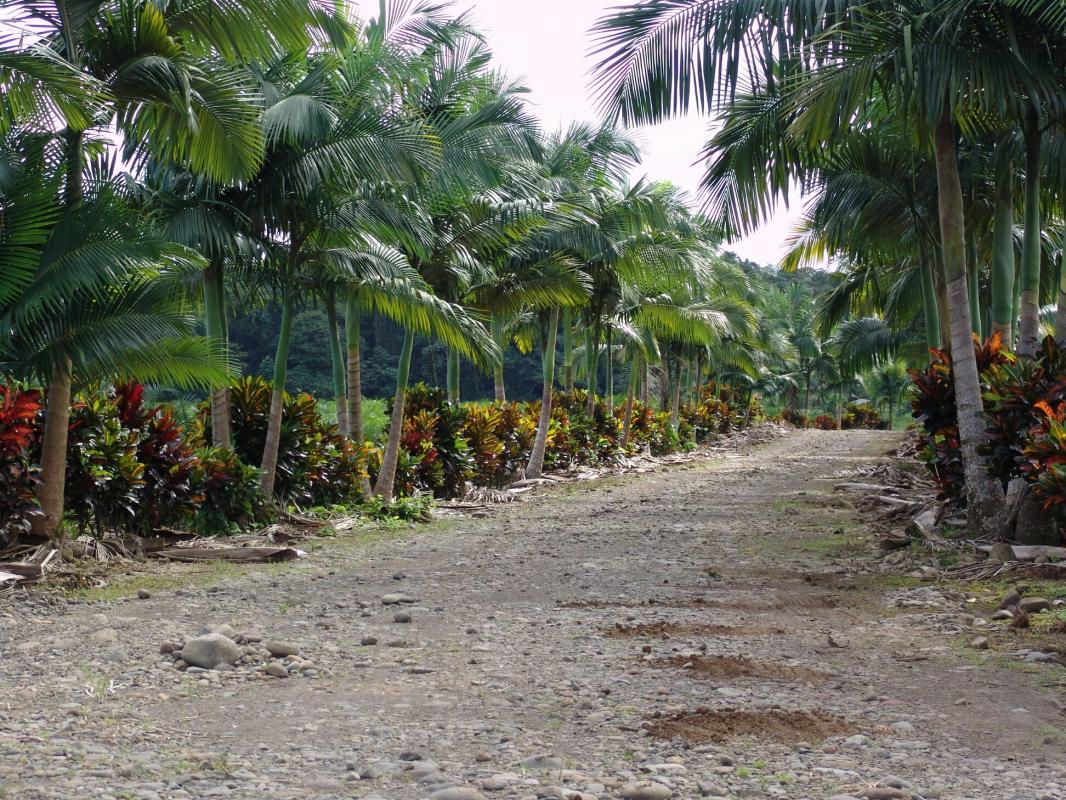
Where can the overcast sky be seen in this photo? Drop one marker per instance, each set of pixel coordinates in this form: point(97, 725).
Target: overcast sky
point(546, 42)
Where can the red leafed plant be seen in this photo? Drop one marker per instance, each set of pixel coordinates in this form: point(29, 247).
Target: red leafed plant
point(19, 409)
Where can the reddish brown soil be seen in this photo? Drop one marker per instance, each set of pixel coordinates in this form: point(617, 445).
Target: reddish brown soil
point(786, 727)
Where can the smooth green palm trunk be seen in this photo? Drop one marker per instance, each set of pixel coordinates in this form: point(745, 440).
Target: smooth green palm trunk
point(610, 375)
point(453, 376)
point(352, 318)
point(336, 358)
point(269, 464)
point(973, 281)
point(568, 349)
point(1060, 312)
point(930, 310)
point(1029, 294)
point(592, 365)
point(1029, 308)
point(631, 389)
point(1002, 284)
point(499, 389)
point(387, 478)
point(536, 457)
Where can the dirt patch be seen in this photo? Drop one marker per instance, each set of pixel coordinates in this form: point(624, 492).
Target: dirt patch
point(667, 630)
point(786, 727)
point(731, 667)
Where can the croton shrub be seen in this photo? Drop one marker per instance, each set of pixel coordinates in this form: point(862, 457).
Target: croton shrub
point(1024, 406)
point(19, 410)
point(134, 468)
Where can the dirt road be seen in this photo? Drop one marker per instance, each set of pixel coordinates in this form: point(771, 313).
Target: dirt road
point(706, 630)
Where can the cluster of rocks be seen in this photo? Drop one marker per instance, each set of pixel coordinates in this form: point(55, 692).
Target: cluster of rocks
point(219, 648)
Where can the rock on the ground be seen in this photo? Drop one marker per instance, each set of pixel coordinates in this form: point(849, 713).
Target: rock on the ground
point(646, 790)
point(210, 650)
point(280, 649)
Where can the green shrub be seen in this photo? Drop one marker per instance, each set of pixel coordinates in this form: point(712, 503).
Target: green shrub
point(231, 500)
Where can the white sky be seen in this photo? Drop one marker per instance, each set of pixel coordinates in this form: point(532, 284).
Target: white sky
point(546, 42)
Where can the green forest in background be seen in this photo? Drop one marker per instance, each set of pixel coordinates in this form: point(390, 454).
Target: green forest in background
point(253, 336)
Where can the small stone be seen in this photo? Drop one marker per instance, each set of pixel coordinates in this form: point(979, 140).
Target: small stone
point(885, 793)
point(397, 598)
point(646, 790)
point(1012, 598)
point(280, 649)
point(1002, 614)
point(210, 650)
point(980, 643)
point(144, 594)
point(543, 762)
point(401, 616)
point(367, 641)
point(500, 781)
point(276, 670)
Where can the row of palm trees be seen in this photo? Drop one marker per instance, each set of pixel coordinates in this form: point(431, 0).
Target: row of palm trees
point(164, 165)
point(928, 137)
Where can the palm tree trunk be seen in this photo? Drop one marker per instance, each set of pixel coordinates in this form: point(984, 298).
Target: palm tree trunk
point(215, 321)
point(1029, 327)
point(453, 376)
point(336, 357)
point(807, 399)
point(610, 375)
point(1060, 314)
point(568, 350)
point(675, 395)
point(664, 371)
point(592, 353)
point(387, 477)
point(536, 458)
point(645, 381)
point(352, 314)
point(930, 312)
point(499, 390)
point(840, 407)
point(269, 464)
point(53, 475)
point(627, 421)
point(986, 504)
point(1002, 289)
point(973, 282)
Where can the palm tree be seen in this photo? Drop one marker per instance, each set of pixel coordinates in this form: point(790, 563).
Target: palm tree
point(172, 94)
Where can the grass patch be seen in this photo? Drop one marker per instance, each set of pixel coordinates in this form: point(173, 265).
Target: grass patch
point(374, 419)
